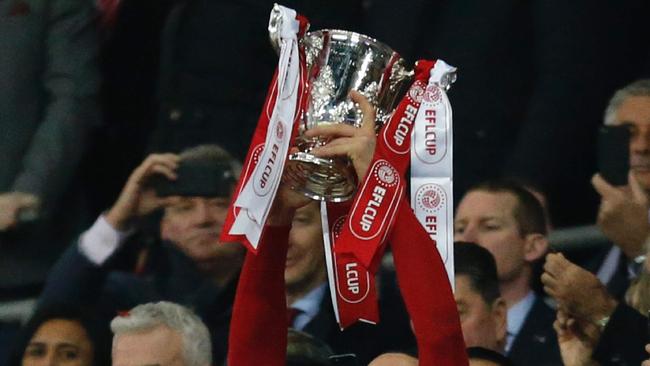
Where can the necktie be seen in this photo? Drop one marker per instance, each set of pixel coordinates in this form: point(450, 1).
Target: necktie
point(292, 313)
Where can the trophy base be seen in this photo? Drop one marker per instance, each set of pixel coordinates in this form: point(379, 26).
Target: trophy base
point(331, 180)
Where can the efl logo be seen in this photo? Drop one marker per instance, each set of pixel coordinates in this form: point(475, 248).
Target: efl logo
point(352, 280)
point(255, 158)
point(432, 94)
point(416, 92)
point(386, 175)
point(430, 198)
point(432, 137)
point(262, 178)
point(379, 196)
point(257, 152)
point(397, 133)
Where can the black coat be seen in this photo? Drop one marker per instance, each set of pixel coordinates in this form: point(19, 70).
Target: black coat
point(536, 344)
point(623, 339)
point(367, 341)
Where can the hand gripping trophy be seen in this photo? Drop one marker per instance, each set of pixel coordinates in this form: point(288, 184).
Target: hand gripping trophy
point(337, 62)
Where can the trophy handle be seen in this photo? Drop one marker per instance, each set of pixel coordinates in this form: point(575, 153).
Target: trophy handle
point(275, 24)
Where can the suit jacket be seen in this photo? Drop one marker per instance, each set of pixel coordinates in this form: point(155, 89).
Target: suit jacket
point(623, 339)
point(592, 260)
point(536, 344)
point(367, 341)
point(77, 281)
point(48, 85)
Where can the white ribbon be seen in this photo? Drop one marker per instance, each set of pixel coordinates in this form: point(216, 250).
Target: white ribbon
point(258, 194)
point(329, 259)
point(431, 164)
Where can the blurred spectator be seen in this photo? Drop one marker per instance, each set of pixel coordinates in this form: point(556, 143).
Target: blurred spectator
point(647, 362)
point(509, 221)
point(623, 213)
point(305, 350)
point(394, 359)
point(62, 335)
point(479, 356)
point(189, 265)
point(591, 324)
point(161, 333)
point(532, 76)
point(48, 88)
point(480, 306)
point(310, 303)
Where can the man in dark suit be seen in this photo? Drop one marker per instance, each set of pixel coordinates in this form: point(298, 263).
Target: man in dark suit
point(481, 308)
point(592, 325)
point(187, 264)
point(509, 221)
point(623, 212)
point(310, 304)
point(48, 87)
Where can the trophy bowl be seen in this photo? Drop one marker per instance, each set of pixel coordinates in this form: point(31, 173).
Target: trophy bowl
point(337, 62)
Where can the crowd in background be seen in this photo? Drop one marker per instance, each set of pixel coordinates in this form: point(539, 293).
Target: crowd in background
point(98, 99)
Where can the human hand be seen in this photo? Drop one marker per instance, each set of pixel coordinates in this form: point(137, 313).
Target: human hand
point(358, 144)
point(287, 201)
point(576, 339)
point(576, 290)
point(11, 204)
point(623, 214)
point(137, 197)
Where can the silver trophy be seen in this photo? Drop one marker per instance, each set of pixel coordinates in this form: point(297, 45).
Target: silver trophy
point(337, 62)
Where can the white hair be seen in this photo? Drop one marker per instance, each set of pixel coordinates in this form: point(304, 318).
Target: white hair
point(639, 88)
point(197, 349)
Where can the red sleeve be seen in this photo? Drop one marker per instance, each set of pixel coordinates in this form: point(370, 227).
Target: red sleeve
point(258, 328)
point(426, 291)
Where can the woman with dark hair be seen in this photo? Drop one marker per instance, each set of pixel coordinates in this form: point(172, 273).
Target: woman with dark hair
point(64, 336)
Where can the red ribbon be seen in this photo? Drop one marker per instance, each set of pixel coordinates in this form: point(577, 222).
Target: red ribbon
point(376, 203)
point(427, 293)
point(257, 143)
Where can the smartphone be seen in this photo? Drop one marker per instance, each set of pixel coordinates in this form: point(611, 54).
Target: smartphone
point(347, 359)
point(196, 178)
point(614, 154)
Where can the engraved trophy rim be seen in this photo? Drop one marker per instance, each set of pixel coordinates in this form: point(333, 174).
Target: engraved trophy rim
point(352, 34)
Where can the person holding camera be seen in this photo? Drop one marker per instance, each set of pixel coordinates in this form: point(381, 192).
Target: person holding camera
point(592, 316)
point(114, 266)
point(624, 209)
